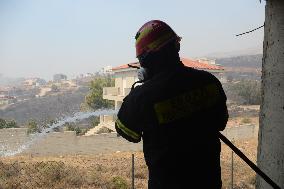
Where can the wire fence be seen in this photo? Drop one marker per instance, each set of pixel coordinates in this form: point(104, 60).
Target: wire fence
point(109, 171)
point(30, 174)
point(50, 174)
point(57, 174)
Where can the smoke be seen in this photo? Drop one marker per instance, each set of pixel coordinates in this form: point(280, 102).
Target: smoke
point(5, 152)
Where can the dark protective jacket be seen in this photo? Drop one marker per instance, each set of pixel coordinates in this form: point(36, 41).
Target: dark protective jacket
point(178, 114)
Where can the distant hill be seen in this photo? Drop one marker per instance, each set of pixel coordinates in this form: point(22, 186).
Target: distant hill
point(241, 52)
point(245, 61)
point(44, 108)
point(6, 81)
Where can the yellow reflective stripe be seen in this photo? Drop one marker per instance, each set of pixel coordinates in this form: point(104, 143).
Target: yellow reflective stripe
point(184, 105)
point(143, 34)
point(127, 131)
point(160, 41)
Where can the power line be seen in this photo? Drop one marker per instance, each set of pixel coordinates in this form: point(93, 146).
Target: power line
point(250, 30)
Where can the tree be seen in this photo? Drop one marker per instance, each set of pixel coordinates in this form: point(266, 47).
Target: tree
point(248, 90)
point(48, 122)
point(94, 100)
point(72, 127)
point(2, 123)
point(11, 124)
point(32, 127)
point(54, 88)
point(7, 124)
point(95, 120)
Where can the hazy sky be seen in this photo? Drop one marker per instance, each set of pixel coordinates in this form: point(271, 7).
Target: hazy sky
point(39, 38)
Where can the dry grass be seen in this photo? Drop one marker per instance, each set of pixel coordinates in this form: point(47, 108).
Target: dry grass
point(244, 176)
point(237, 121)
point(111, 171)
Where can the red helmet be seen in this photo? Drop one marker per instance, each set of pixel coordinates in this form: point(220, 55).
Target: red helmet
point(152, 36)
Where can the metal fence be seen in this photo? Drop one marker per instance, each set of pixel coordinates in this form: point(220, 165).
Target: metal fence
point(50, 174)
point(58, 174)
point(30, 174)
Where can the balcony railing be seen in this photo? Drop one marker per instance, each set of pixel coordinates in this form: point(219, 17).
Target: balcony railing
point(114, 91)
point(126, 91)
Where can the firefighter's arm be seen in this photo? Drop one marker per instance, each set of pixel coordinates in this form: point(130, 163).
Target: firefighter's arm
point(127, 133)
point(128, 124)
point(222, 115)
point(221, 112)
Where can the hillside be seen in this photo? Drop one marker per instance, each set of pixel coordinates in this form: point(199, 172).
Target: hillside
point(247, 61)
point(45, 108)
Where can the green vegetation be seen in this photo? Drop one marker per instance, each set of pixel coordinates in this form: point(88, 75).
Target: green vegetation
point(248, 90)
point(246, 120)
point(50, 174)
point(54, 88)
point(119, 183)
point(49, 122)
point(11, 124)
point(7, 124)
point(95, 120)
point(72, 127)
point(94, 99)
point(32, 127)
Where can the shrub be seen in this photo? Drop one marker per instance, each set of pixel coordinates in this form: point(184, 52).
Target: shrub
point(118, 183)
point(32, 127)
point(74, 177)
point(249, 91)
point(52, 171)
point(246, 120)
point(9, 170)
point(71, 127)
point(11, 124)
point(95, 178)
point(104, 130)
point(78, 130)
point(95, 120)
point(7, 124)
point(2, 123)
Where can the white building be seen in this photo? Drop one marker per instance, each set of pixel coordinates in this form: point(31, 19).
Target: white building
point(125, 76)
point(107, 70)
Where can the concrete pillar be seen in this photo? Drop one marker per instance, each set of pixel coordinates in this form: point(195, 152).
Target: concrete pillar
point(271, 132)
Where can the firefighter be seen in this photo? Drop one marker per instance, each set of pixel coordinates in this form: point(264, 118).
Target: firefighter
point(177, 111)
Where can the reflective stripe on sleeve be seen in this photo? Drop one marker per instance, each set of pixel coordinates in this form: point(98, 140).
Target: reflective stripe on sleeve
point(127, 131)
point(186, 104)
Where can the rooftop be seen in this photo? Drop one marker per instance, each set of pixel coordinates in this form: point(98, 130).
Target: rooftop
point(187, 62)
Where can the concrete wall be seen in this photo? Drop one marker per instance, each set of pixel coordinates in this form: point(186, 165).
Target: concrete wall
point(271, 136)
point(58, 143)
point(107, 118)
point(13, 138)
point(241, 132)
